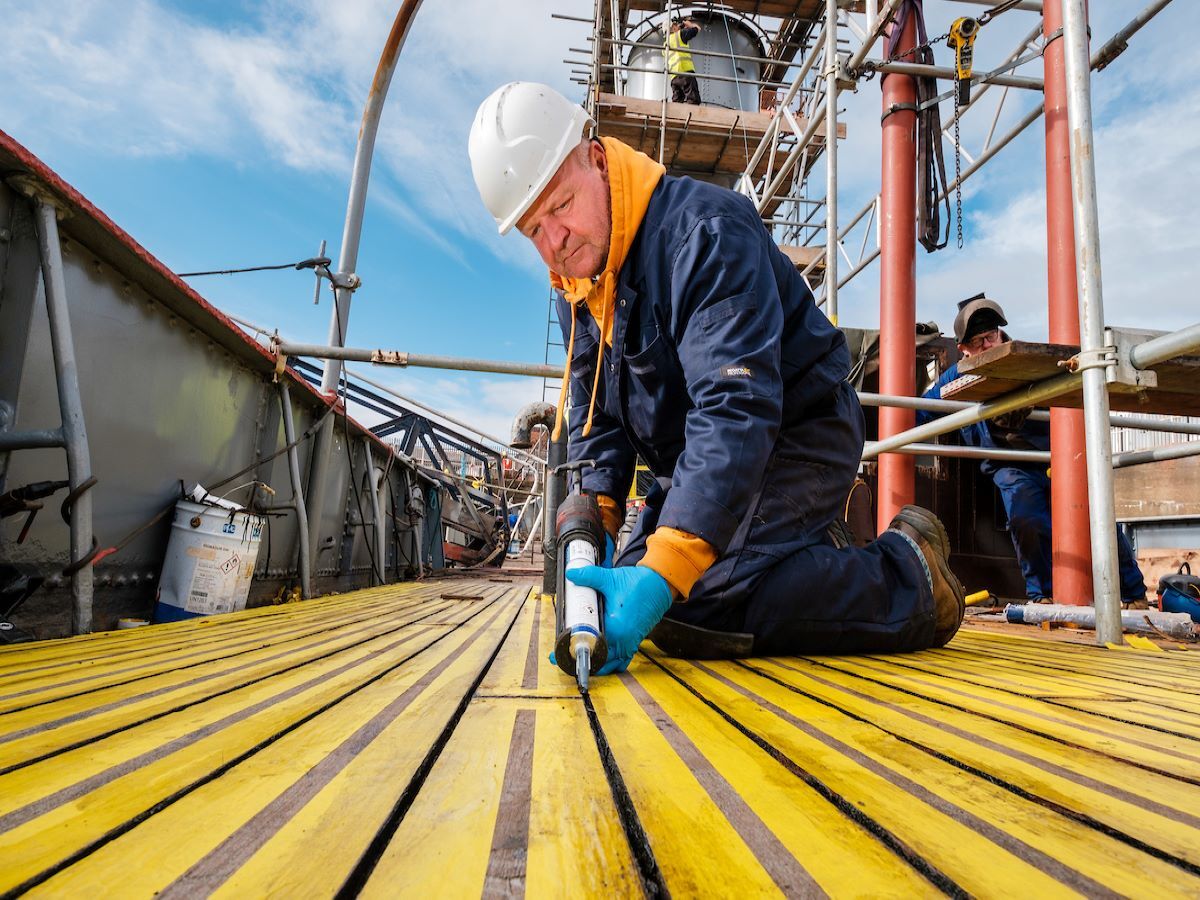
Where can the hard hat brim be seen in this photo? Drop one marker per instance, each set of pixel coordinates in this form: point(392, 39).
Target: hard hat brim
point(571, 138)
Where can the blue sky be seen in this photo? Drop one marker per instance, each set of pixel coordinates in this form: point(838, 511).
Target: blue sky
point(221, 134)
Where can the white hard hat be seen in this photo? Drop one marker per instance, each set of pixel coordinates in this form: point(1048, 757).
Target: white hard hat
point(522, 134)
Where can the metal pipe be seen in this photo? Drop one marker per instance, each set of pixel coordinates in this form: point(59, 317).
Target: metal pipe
point(32, 440)
point(556, 455)
point(359, 178)
point(418, 360)
point(1116, 420)
point(380, 567)
point(967, 452)
point(1119, 42)
point(70, 404)
point(500, 444)
point(831, 162)
point(1156, 454)
point(897, 278)
point(304, 554)
point(947, 73)
point(1071, 556)
point(1028, 395)
point(1167, 346)
point(528, 417)
point(1105, 580)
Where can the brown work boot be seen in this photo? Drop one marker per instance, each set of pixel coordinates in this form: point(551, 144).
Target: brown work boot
point(929, 534)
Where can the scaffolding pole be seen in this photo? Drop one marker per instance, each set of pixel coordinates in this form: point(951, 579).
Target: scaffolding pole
point(1102, 507)
point(831, 156)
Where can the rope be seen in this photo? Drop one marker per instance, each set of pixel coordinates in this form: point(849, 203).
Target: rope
point(311, 263)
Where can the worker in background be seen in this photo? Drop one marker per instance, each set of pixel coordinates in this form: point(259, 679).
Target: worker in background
point(1024, 487)
point(693, 342)
point(684, 87)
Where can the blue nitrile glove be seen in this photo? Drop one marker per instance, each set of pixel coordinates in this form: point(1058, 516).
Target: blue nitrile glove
point(610, 550)
point(635, 600)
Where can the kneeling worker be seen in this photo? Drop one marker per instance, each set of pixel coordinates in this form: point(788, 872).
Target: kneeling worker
point(694, 343)
point(1024, 487)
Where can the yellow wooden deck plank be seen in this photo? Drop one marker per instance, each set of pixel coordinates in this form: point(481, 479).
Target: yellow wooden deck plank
point(136, 670)
point(524, 669)
point(162, 645)
point(102, 645)
point(1031, 679)
point(1153, 808)
point(1172, 670)
point(1080, 728)
point(1172, 685)
point(1151, 714)
point(1073, 727)
point(989, 841)
point(42, 729)
point(40, 816)
point(293, 819)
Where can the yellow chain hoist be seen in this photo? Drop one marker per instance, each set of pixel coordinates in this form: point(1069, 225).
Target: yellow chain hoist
point(962, 36)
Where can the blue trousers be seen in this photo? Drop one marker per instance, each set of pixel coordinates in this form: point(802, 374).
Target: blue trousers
point(781, 579)
point(1026, 496)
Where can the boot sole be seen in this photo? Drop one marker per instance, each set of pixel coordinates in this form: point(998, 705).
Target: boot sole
point(927, 525)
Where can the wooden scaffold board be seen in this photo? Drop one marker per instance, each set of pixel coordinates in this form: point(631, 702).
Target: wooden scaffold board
point(413, 740)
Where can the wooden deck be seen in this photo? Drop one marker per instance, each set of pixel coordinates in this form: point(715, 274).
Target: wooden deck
point(1015, 364)
point(412, 740)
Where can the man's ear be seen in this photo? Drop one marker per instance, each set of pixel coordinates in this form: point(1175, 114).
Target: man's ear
point(598, 157)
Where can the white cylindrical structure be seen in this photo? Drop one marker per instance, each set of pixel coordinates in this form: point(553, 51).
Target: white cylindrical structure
point(209, 563)
point(722, 34)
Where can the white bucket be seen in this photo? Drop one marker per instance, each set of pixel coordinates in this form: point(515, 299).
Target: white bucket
point(209, 563)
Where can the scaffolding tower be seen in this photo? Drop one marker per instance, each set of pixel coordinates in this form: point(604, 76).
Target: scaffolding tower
point(808, 53)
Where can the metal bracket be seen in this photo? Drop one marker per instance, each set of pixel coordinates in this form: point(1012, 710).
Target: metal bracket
point(1100, 358)
point(38, 192)
point(1123, 374)
point(280, 357)
point(389, 357)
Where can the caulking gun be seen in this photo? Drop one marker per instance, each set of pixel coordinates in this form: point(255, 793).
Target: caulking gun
point(580, 649)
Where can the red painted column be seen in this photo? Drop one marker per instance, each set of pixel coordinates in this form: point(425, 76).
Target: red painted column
point(897, 281)
point(1068, 460)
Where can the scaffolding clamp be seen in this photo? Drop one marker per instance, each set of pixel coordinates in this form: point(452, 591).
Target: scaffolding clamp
point(1122, 375)
point(963, 32)
point(1099, 358)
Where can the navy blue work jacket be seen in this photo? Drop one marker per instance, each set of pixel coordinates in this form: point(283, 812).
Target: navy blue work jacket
point(717, 348)
point(1031, 435)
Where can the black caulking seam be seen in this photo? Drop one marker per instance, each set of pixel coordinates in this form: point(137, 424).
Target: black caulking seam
point(1025, 728)
point(1044, 803)
point(255, 649)
point(212, 637)
point(361, 873)
point(158, 807)
point(1016, 693)
point(631, 824)
point(1095, 712)
point(924, 867)
point(83, 742)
